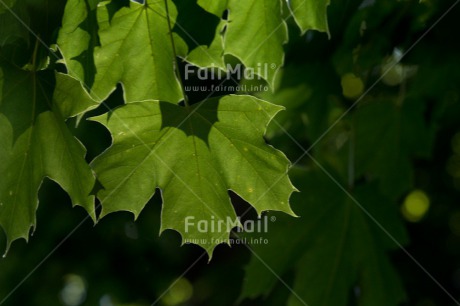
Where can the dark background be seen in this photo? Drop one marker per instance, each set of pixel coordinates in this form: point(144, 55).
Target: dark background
point(122, 262)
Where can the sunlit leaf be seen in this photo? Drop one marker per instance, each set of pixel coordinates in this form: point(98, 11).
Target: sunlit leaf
point(133, 48)
point(78, 38)
point(204, 38)
point(36, 143)
point(194, 155)
point(212, 55)
point(310, 14)
point(255, 34)
point(213, 6)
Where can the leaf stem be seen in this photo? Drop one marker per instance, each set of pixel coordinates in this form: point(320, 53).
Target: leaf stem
point(175, 62)
point(34, 55)
point(34, 81)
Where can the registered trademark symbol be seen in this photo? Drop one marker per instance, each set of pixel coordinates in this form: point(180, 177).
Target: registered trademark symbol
point(273, 218)
point(273, 66)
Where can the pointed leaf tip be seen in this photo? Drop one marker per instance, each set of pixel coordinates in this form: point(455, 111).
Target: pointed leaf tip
point(194, 155)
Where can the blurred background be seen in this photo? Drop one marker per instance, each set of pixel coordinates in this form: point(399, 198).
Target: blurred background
point(122, 262)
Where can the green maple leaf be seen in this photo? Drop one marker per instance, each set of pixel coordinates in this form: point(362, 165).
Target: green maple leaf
point(131, 45)
point(78, 38)
point(204, 38)
point(194, 155)
point(256, 31)
point(310, 14)
point(35, 143)
point(213, 6)
point(212, 55)
point(255, 35)
point(332, 249)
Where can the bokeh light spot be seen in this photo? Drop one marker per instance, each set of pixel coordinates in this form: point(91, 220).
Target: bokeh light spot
point(179, 293)
point(352, 86)
point(415, 206)
point(74, 291)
